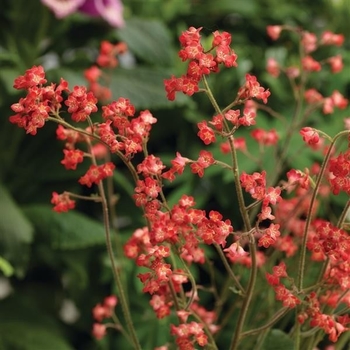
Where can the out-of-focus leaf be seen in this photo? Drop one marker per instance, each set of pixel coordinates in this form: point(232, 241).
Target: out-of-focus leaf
point(14, 226)
point(144, 86)
point(27, 336)
point(73, 77)
point(7, 77)
point(16, 232)
point(276, 340)
point(125, 183)
point(6, 267)
point(70, 230)
point(149, 40)
point(26, 325)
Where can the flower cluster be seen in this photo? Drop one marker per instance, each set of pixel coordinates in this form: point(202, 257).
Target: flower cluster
point(334, 326)
point(201, 62)
point(33, 110)
point(94, 75)
point(179, 236)
point(101, 312)
point(288, 298)
point(339, 169)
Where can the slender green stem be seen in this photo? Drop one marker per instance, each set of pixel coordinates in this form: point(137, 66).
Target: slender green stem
point(342, 217)
point(247, 227)
point(229, 269)
point(115, 270)
point(301, 269)
point(248, 296)
point(277, 316)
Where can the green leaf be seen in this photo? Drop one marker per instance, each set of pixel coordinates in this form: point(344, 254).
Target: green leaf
point(276, 340)
point(7, 77)
point(125, 183)
point(73, 77)
point(26, 324)
point(16, 232)
point(149, 40)
point(144, 86)
point(6, 267)
point(14, 226)
point(19, 335)
point(70, 230)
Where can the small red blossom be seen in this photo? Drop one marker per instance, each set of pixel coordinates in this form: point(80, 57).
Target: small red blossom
point(33, 77)
point(72, 157)
point(151, 165)
point(108, 54)
point(309, 42)
point(312, 96)
point(225, 55)
point(339, 169)
point(272, 196)
point(99, 330)
point(274, 31)
point(205, 133)
point(232, 116)
point(272, 280)
point(252, 89)
point(188, 333)
point(62, 202)
point(234, 251)
point(223, 38)
point(205, 159)
point(329, 38)
point(263, 137)
point(269, 236)
point(297, 177)
point(339, 100)
point(81, 103)
point(97, 173)
point(255, 184)
point(273, 67)
point(336, 63)
point(310, 135)
point(311, 65)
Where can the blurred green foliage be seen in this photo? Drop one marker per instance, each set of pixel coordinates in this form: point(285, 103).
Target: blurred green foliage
point(48, 258)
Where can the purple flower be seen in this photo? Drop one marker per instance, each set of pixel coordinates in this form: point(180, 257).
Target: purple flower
point(110, 10)
point(63, 8)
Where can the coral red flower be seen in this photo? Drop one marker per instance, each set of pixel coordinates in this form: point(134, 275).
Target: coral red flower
point(62, 202)
point(329, 38)
point(310, 135)
point(81, 103)
point(309, 42)
point(274, 31)
point(252, 89)
point(99, 330)
point(273, 67)
point(336, 63)
point(33, 77)
point(96, 173)
point(72, 157)
point(310, 64)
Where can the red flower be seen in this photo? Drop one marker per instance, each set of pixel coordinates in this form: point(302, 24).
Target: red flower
point(96, 174)
point(62, 202)
point(310, 135)
point(71, 158)
point(33, 77)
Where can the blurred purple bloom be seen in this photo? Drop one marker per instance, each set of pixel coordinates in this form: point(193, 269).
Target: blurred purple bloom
point(110, 10)
point(63, 8)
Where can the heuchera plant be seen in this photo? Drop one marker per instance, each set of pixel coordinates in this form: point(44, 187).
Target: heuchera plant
point(282, 233)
